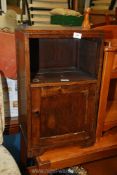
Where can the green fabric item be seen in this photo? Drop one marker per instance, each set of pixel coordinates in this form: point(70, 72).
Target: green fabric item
point(67, 20)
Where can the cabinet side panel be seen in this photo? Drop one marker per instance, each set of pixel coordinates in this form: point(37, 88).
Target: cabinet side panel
point(21, 71)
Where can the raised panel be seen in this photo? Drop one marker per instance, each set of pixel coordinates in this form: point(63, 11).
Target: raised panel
point(64, 114)
point(61, 113)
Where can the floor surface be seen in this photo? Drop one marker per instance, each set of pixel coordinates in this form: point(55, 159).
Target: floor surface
point(102, 167)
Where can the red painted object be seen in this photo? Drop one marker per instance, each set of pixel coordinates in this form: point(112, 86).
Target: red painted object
point(8, 54)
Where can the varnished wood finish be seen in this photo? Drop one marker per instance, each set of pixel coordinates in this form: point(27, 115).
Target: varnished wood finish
point(108, 62)
point(86, 23)
point(103, 17)
point(70, 156)
point(75, 5)
point(59, 81)
point(106, 166)
point(107, 115)
point(50, 109)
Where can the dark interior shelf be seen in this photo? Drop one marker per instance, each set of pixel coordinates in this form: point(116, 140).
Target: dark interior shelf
point(63, 76)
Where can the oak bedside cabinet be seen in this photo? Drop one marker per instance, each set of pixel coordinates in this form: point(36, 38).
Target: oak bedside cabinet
point(59, 75)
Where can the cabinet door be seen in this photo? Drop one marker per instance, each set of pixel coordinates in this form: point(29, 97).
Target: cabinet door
point(63, 115)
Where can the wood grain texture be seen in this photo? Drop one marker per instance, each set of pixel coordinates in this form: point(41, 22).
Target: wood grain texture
point(68, 156)
point(59, 82)
point(106, 120)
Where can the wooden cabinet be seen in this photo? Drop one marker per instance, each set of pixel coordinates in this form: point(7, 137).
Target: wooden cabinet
point(107, 117)
point(59, 81)
point(111, 107)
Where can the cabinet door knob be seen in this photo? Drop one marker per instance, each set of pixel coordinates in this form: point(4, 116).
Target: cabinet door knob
point(36, 113)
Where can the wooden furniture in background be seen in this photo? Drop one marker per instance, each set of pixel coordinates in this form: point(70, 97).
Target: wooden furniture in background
point(107, 117)
point(103, 167)
point(75, 5)
point(103, 17)
point(86, 22)
point(56, 74)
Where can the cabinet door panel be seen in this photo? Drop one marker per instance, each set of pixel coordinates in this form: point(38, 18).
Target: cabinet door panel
point(61, 113)
point(64, 113)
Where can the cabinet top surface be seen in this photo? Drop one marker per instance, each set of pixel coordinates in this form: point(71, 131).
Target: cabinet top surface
point(59, 30)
